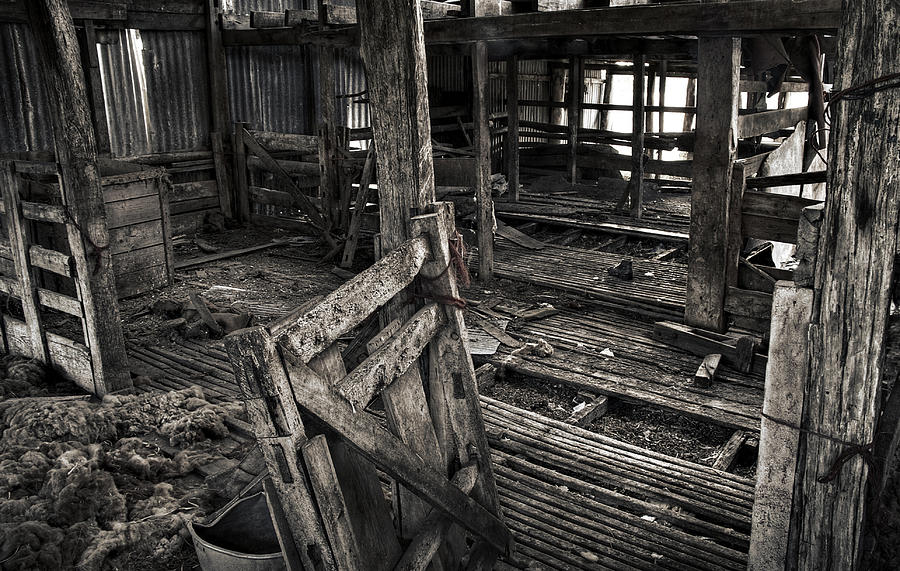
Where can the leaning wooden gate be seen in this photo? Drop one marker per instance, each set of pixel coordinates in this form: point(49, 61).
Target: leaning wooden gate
point(322, 446)
point(49, 283)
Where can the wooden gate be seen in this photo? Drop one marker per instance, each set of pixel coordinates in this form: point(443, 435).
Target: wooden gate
point(320, 442)
point(49, 283)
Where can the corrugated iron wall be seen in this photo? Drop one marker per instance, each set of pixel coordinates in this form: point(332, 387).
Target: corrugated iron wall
point(177, 90)
point(23, 101)
point(125, 93)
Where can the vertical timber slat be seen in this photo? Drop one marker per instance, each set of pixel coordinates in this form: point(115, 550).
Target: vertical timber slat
point(512, 133)
point(637, 138)
point(480, 114)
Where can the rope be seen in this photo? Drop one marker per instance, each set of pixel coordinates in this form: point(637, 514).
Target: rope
point(863, 90)
point(850, 451)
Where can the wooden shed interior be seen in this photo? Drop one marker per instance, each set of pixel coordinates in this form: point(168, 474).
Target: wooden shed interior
point(481, 284)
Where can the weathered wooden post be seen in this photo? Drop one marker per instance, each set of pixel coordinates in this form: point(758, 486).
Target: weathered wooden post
point(822, 527)
point(76, 157)
point(718, 94)
point(512, 122)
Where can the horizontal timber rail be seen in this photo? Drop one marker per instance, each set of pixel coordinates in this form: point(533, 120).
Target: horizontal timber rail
point(694, 18)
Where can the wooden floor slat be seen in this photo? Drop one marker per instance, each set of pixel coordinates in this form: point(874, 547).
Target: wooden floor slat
point(560, 518)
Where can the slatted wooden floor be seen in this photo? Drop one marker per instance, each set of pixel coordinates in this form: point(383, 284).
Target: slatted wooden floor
point(666, 222)
point(657, 287)
point(573, 499)
point(641, 369)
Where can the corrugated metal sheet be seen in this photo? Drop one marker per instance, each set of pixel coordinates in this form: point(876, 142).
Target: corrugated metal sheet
point(247, 6)
point(23, 101)
point(448, 73)
point(175, 67)
point(267, 87)
point(124, 90)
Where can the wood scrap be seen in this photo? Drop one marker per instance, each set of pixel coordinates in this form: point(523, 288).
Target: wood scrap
point(518, 237)
point(342, 273)
point(592, 407)
point(566, 238)
point(736, 352)
point(727, 455)
point(485, 376)
point(499, 334)
point(544, 310)
point(205, 246)
point(180, 265)
point(707, 371)
point(667, 254)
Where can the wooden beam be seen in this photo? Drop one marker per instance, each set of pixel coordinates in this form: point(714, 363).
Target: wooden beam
point(76, 155)
point(480, 113)
point(576, 93)
point(512, 123)
point(329, 183)
point(854, 267)
point(714, 152)
point(637, 138)
point(95, 87)
point(392, 33)
point(764, 122)
point(779, 442)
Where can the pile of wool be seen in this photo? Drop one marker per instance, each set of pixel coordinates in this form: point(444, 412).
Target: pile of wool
point(22, 377)
point(81, 483)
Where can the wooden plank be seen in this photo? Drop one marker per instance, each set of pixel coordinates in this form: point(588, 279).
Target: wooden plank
point(332, 508)
point(482, 140)
point(779, 442)
point(636, 185)
point(812, 177)
point(91, 63)
point(425, 544)
point(764, 122)
point(714, 152)
point(774, 204)
point(20, 245)
point(135, 237)
point(223, 180)
point(275, 142)
point(808, 232)
point(392, 358)
point(261, 195)
point(60, 302)
point(125, 213)
point(727, 455)
point(359, 206)
point(302, 201)
point(512, 133)
point(51, 260)
point(141, 281)
point(194, 190)
point(573, 111)
point(769, 228)
point(265, 387)
point(137, 259)
point(309, 333)
point(218, 82)
point(368, 511)
point(703, 343)
point(395, 458)
point(208, 320)
point(44, 212)
point(72, 359)
point(18, 341)
point(519, 238)
point(263, 19)
point(241, 191)
point(748, 303)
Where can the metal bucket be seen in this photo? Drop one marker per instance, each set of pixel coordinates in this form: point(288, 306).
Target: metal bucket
point(240, 538)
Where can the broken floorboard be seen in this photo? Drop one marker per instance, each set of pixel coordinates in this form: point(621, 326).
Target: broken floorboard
point(573, 499)
point(642, 369)
point(658, 288)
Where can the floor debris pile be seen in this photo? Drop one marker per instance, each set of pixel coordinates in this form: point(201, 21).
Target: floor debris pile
point(91, 484)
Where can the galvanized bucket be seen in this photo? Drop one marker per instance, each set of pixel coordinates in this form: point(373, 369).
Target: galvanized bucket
point(240, 538)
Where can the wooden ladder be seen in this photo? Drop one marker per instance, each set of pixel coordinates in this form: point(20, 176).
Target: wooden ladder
point(321, 445)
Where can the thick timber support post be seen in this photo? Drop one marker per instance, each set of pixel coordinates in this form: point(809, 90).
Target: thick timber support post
point(480, 118)
point(576, 94)
point(512, 131)
point(637, 138)
point(76, 156)
point(329, 184)
point(854, 266)
point(718, 94)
